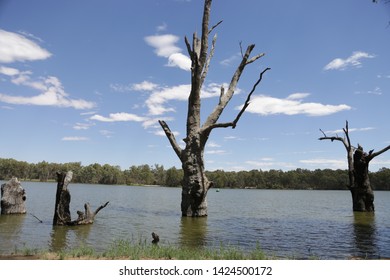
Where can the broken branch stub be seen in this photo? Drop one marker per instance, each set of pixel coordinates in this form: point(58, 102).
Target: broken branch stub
point(13, 198)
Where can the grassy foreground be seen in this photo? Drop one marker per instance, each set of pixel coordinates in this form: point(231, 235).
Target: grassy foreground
point(123, 249)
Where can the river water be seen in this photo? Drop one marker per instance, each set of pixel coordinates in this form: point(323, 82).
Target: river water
point(284, 223)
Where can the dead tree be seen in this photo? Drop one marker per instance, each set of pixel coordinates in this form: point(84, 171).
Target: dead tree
point(13, 198)
point(62, 215)
point(358, 162)
point(195, 183)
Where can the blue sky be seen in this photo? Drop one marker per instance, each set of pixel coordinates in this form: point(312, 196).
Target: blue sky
point(87, 81)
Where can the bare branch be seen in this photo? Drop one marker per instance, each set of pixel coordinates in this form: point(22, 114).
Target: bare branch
point(372, 155)
point(171, 138)
point(224, 100)
point(212, 28)
point(206, 67)
point(233, 124)
point(190, 53)
point(100, 208)
point(253, 59)
point(246, 104)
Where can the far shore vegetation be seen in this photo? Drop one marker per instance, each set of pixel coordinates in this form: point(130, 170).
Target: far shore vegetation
point(318, 179)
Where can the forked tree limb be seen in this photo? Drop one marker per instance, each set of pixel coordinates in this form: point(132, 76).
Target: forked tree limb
point(233, 124)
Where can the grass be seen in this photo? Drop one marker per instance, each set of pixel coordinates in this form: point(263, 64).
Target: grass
point(125, 249)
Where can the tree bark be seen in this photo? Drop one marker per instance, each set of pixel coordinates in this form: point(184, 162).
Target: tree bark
point(13, 198)
point(195, 184)
point(358, 168)
point(62, 216)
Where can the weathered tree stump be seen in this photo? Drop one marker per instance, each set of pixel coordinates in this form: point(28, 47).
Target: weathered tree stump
point(13, 198)
point(358, 163)
point(62, 215)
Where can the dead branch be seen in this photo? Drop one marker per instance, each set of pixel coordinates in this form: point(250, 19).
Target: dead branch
point(171, 138)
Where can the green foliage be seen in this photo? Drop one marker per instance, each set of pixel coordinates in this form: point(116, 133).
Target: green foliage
point(319, 179)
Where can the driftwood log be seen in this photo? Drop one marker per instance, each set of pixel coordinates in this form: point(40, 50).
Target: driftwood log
point(62, 215)
point(13, 198)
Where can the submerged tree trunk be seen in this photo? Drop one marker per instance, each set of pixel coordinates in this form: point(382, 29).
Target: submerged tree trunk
point(61, 210)
point(358, 163)
point(13, 198)
point(362, 193)
point(195, 183)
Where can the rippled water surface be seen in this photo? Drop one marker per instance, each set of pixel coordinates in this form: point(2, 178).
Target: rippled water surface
point(299, 224)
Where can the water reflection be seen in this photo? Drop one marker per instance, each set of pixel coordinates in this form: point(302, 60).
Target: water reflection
point(193, 231)
point(11, 226)
point(62, 237)
point(365, 235)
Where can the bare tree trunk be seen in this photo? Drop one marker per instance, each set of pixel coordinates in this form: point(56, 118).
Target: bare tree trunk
point(358, 163)
point(13, 198)
point(195, 183)
point(61, 210)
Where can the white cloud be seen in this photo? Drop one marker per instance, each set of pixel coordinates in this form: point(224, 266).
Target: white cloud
point(74, 138)
point(165, 46)
point(15, 47)
point(325, 163)
point(8, 71)
point(160, 132)
point(179, 60)
point(118, 117)
point(352, 61)
point(144, 86)
point(292, 105)
point(52, 94)
point(156, 103)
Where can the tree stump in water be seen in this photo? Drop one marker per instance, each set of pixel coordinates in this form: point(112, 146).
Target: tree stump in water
point(13, 198)
point(62, 215)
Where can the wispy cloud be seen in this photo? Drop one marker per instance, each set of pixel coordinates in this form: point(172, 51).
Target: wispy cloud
point(228, 61)
point(119, 117)
point(292, 105)
point(106, 133)
point(162, 27)
point(82, 126)
point(269, 163)
point(74, 138)
point(325, 163)
point(215, 152)
point(349, 130)
point(165, 46)
point(352, 61)
point(143, 86)
point(16, 47)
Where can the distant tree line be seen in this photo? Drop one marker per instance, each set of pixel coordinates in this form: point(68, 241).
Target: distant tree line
point(319, 179)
